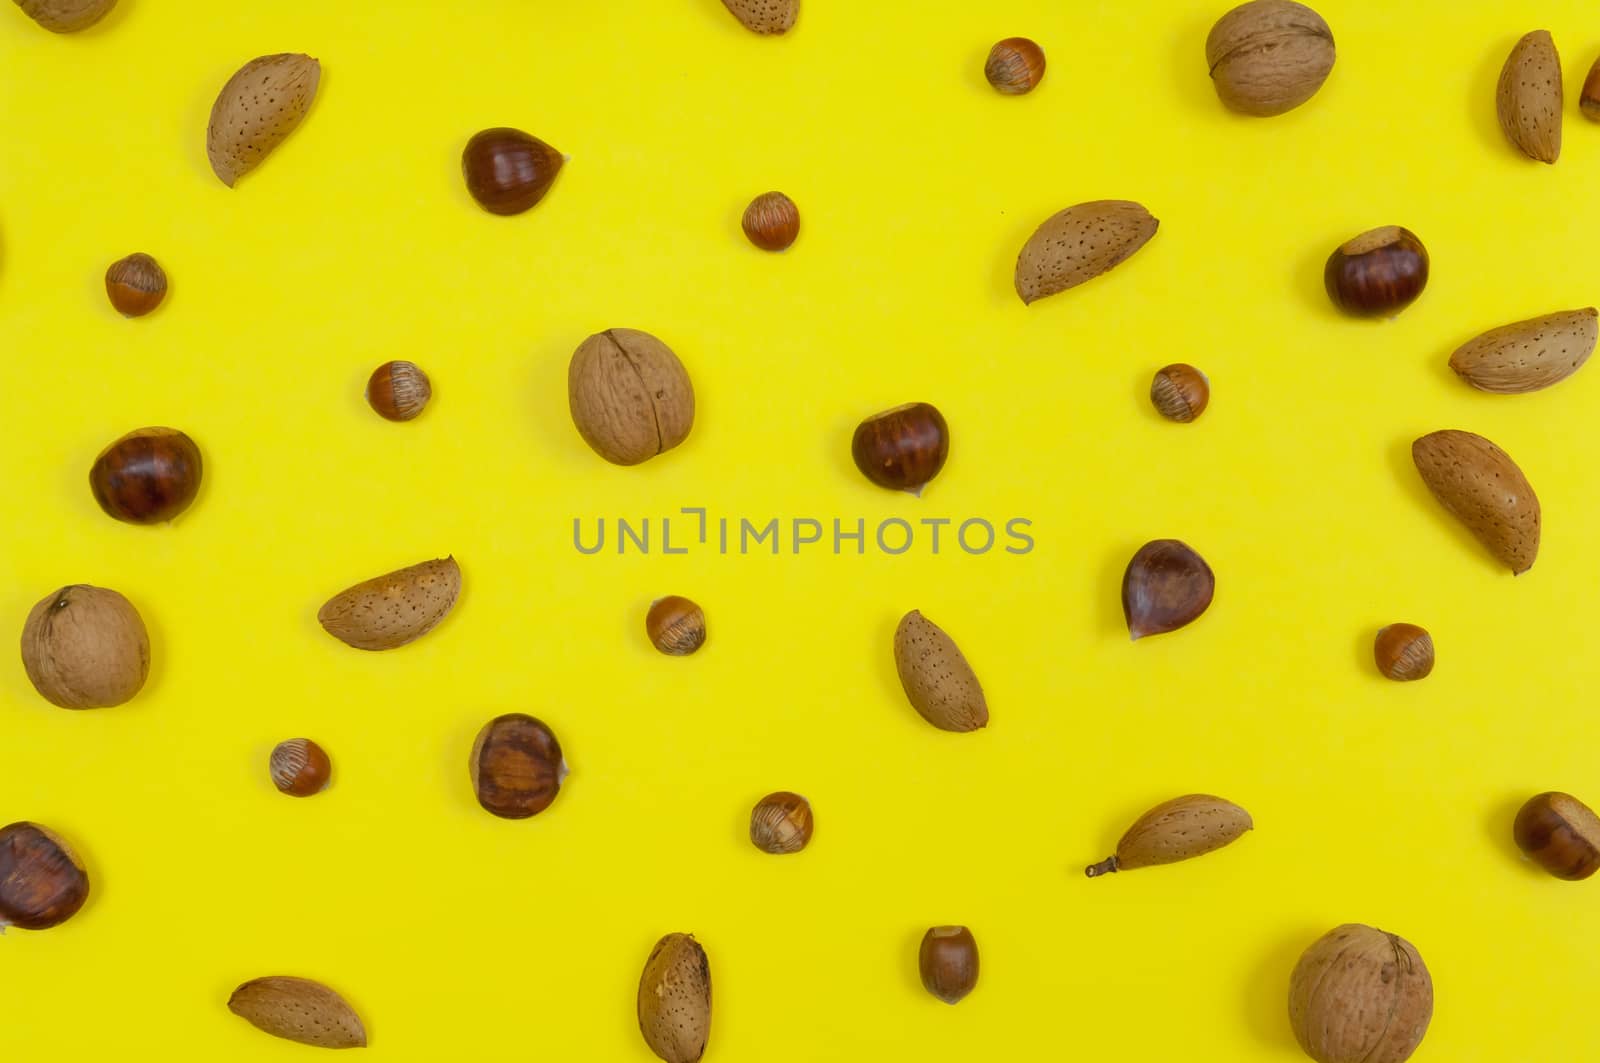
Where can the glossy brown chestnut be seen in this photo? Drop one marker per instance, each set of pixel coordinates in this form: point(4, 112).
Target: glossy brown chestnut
point(42, 884)
point(902, 448)
point(148, 476)
point(517, 766)
point(1015, 66)
point(676, 626)
point(781, 823)
point(1166, 586)
point(1180, 392)
point(1403, 652)
point(948, 961)
point(397, 391)
point(1561, 834)
point(509, 171)
point(771, 221)
point(300, 767)
point(136, 285)
point(1380, 272)
point(1589, 98)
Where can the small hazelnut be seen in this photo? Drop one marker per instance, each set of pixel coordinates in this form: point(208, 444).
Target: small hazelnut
point(903, 448)
point(517, 766)
point(1561, 834)
point(42, 884)
point(771, 221)
point(1380, 272)
point(781, 823)
point(948, 961)
point(136, 285)
point(147, 476)
point(1403, 652)
point(1180, 392)
point(676, 626)
point(509, 171)
point(1015, 66)
point(300, 767)
point(398, 391)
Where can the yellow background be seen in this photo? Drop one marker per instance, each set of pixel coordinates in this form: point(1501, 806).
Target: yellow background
point(457, 935)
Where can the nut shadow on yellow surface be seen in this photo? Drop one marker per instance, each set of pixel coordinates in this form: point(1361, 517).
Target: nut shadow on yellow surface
point(1266, 995)
point(1498, 817)
point(1481, 115)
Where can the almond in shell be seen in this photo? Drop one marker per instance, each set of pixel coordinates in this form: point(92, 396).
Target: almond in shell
point(1528, 98)
point(1079, 244)
point(675, 999)
point(1179, 829)
point(1360, 995)
point(298, 1009)
point(1528, 355)
point(393, 609)
point(936, 676)
point(1482, 488)
point(257, 109)
point(765, 16)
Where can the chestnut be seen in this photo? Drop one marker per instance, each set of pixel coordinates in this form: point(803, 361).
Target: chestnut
point(902, 448)
point(509, 171)
point(948, 961)
point(1561, 834)
point(148, 476)
point(42, 884)
point(517, 766)
point(1378, 273)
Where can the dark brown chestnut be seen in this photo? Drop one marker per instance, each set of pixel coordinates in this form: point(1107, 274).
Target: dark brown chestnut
point(517, 766)
point(42, 884)
point(948, 961)
point(509, 171)
point(1378, 273)
point(902, 448)
point(1561, 834)
point(148, 476)
point(1166, 586)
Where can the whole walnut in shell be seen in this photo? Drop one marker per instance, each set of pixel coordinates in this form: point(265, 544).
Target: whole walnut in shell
point(1360, 995)
point(1269, 56)
point(630, 396)
point(85, 648)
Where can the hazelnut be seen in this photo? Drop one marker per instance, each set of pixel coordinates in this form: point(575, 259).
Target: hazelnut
point(1180, 392)
point(1403, 652)
point(1380, 272)
point(629, 395)
point(1269, 56)
point(771, 221)
point(300, 767)
point(85, 648)
point(903, 448)
point(42, 884)
point(517, 767)
point(136, 285)
point(781, 823)
point(948, 961)
point(397, 391)
point(509, 171)
point(676, 626)
point(1561, 834)
point(1015, 66)
point(148, 476)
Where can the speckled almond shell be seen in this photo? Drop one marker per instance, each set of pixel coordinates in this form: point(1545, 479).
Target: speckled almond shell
point(1482, 488)
point(1269, 56)
point(1528, 98)
point(1360, 995)
point(393, 609)
point(257, 109)
point(66, 16)
point(85, 647)
point(1079, 244)
point(1179, 829)
point(936, 677)
point(298, 1009)
point(675, 999)
point(629, 395)
point(765, 16)
point(1528, 355)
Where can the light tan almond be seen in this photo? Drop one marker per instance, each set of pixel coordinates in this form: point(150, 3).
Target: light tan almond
point(66, 16)
point(675, 999)
point(765, 16)
point(1079, 244)
point(1482, 488)
point(298, 1009)
point(1528, 355)
point(1175, 830)
point(1528, 98)
point(257, 109)
point(936, 677)
point(393, 609)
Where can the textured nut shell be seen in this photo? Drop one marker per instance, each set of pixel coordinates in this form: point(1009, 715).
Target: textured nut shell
point(1269, 56)
point(630, 396)
point(771, 221)
point(42, 881)
point(765, 16)
point(1180, 392)
point(1403, 652)
point(1179, 829)
point(781, 823)
point(299, 767)
point(516, 765)
point(257, 109)
point(1528, 355)
point(1528, 98)
point(675, 999)
point(1360, 995)
point(1561, 833)
point(393, 609)
point(1482, 487)
point(1079, 244)
point(936, 677)
point(136, 284)
point(298, 1009)
point(66, 16)
point(398, 390)
point(85, 648)
point(676, 626)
